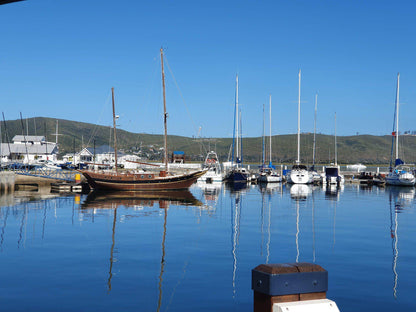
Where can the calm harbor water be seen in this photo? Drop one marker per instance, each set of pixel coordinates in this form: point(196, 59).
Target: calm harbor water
point(195, 250)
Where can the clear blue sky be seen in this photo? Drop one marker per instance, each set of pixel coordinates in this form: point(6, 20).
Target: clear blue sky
point(60, 59)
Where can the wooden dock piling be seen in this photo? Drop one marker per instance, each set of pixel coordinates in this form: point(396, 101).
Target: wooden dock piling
point(289, 285)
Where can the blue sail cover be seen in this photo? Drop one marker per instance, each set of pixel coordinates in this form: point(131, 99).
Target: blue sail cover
point(271, 166)
point(398, 162)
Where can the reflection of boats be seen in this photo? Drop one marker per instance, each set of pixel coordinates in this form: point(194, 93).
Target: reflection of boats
point(270, 188)
point(235, 234)
point(236, 187)
point(143, 198)
point(213, 167)
point(211, 191)
point(134, 181)
point(400, 174)
point(300, 191)
point(395, 197)
point(115, 200)
point(403, 197)
point(299, 173)
point(332, 191)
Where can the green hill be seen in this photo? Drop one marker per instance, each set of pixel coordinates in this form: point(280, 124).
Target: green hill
point(365, 149)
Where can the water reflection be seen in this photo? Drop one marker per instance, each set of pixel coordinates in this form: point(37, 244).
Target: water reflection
point(139, 199)
point(271, 188)
point(152, 259)
point(300, 191)
point(114, 200)
point(236, 187)
point(266, 191)
point(236, 203)
point(211, 192)
point(400, 199)
point(332, 192)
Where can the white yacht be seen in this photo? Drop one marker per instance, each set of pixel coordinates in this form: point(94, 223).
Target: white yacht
point(299, 173)
point(268, 174)
point(401, 174)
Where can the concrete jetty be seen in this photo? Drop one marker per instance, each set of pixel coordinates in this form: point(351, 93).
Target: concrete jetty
point(7, 181)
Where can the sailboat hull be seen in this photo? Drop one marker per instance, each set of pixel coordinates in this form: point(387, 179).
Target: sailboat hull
point(137, 182)
point(300, 176)
point(400, 179)
point(237, 175)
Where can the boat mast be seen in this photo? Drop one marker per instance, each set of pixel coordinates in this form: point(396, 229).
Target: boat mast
point(335, 138)
point(114, 126)
point(298, 160)
point(263, 150)
point(165, 115)
point(270, 137)
point(237, 122)
point(397, 115)
point(314, 132)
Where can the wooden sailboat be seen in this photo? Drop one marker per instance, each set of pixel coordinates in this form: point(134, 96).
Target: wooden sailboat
point(133, 181)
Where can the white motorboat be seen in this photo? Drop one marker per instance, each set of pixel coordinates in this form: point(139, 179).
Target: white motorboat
point(214, 172)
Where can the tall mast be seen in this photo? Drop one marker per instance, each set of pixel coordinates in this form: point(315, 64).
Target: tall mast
point(397, 115)
point(270, 137)
point(314, 131)
point(114, 126)
point(263, 151)
point(298, 160)
point(237, 119)
point(165, 115)
point(335, 138)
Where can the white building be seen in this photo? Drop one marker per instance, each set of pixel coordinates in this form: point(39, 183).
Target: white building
point(28, 149)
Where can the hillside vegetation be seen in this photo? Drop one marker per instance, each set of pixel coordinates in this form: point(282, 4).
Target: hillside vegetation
point(365, 149)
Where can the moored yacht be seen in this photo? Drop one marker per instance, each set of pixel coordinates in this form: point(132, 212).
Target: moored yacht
point(268, 174)
point(299, 173)
point(401, 174)
point(237, 173)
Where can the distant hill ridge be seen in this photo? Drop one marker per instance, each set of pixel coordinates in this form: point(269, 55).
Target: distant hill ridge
point(367, 149)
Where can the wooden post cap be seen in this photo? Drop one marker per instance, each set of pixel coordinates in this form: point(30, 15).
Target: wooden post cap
point(287, 282)
point(289, 278)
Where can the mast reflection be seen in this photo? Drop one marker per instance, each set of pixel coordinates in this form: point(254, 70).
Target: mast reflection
point(115, 200)
point(399, 199)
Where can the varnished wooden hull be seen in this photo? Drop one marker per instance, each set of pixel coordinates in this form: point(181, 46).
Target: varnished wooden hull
point(138, 182)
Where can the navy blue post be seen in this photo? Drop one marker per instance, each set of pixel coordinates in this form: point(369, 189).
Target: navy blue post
point(287, 282)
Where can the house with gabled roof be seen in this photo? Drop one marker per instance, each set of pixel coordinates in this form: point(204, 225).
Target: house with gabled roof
point(28, 149)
